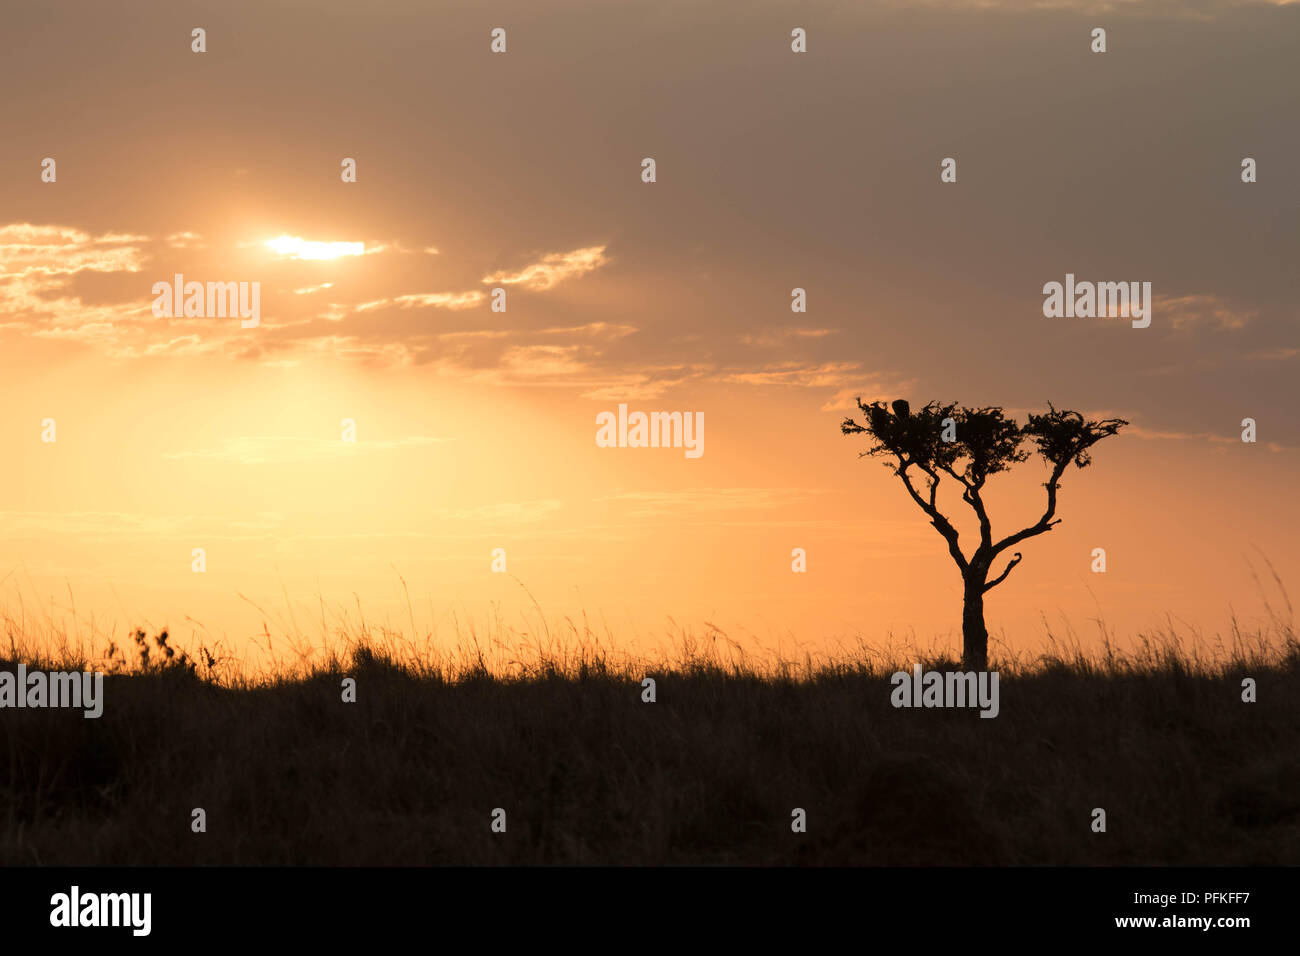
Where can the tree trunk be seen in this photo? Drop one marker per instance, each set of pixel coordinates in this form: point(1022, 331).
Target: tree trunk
point(974, 635)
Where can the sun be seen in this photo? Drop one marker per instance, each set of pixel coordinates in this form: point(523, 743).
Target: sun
point(298, 248)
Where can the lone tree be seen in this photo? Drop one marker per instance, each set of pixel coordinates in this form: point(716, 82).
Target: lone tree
point(968, 445)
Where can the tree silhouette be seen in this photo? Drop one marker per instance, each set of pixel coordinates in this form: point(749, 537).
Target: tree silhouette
point(969, 445)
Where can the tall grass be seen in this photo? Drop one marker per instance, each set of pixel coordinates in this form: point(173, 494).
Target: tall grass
point(567, 647)
point(546, 719)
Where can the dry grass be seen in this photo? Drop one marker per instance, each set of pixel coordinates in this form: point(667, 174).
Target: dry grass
point(548, 723)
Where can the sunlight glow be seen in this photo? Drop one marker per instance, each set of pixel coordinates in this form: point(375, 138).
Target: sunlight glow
point(299, 248)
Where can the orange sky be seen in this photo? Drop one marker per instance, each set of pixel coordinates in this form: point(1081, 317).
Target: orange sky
point(475, 429)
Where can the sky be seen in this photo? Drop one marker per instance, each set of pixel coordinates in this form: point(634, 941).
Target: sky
point(774, 170)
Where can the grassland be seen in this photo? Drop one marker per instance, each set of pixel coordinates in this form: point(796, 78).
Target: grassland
point(589, 773)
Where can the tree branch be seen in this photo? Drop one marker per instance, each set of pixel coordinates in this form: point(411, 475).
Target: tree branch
point(1003, 576)
point(971, 495)
point(941, 524)
point(1045, 523)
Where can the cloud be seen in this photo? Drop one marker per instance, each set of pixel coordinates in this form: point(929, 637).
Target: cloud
point(1152, 434)
point(435, 300)
point(38, 298)
point(777, 338)
point(552, 269)
point(598, 330)
point(1276, 354)
point(181, 345)
point(600, 358)
point(804, 375)
point(1205, 311)
point(597, 357)
point(185, 240)
point(38, 258)
point(878, 387)
point(629, 388)
point(37, 267)
point(542, 361)
point(1234, 438)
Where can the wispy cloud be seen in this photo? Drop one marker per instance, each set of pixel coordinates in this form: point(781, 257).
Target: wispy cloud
point(1204, 311)
point(45, 255)
point(802, 374)
point(37, 267)
point(1234, 438)
point(435, 300)
point(597, 330)
point(777, 338)
point(185, 240)
point(552, 269)
point(1275, 355)
point(1155, 434)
